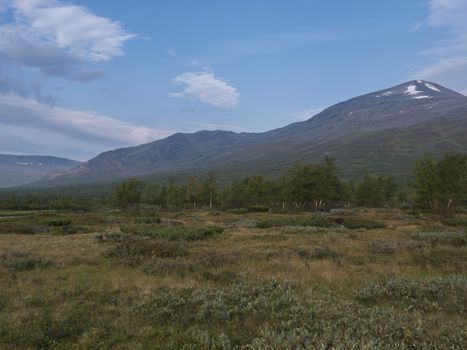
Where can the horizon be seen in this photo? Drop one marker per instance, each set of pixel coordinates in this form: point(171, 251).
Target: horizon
point(79, 78)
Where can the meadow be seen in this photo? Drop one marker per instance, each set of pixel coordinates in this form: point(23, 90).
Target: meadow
point(194, 279)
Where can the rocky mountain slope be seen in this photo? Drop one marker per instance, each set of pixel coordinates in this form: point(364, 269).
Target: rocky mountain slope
point(21, 170)
point(382, 131)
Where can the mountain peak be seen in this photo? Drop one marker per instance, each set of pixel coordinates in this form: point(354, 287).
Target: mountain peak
point(350, 131)
point(418, 90)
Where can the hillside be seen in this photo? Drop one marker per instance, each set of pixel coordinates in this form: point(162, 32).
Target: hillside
point(380, 131)
point(21, 170)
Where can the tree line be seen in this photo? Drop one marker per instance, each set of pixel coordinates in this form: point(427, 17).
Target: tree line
point(437, 185)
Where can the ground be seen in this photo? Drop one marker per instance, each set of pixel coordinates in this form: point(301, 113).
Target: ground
point(142, 279)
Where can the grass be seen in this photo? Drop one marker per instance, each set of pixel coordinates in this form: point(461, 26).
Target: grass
point(195, 280)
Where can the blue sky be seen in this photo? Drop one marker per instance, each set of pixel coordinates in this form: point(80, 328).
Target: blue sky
point(81, 77)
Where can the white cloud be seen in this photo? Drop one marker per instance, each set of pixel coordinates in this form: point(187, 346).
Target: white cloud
point(100, 132)
point(207, 87)
point(448, 57)
point(307, 113)
point(71, 27)
point(58, 38)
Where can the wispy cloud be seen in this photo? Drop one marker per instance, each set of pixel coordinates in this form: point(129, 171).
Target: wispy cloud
point(172, 52)
point(58, 38)
point(9, 84)
point(307, 113)
point(206, 87)
point(90, 128)
point(448, 57)
point(87, 75)
point(267, 44)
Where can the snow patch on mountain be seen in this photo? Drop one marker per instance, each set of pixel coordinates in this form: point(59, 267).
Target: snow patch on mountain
point(421, 97)
point(429, 86)
point(412, 90)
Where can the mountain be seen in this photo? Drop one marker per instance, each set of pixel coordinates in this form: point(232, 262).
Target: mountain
point(384, 131)
point(21, 170)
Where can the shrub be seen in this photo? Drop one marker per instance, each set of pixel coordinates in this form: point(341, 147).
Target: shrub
point(391, 247)
point(319, 253)
point(314, 221)
point(168, 266)
point(240, 300)
point(57, 223)
point(301, 229)
point(173, 233)
point(110, 237)
point(272, 315)
point(449, 292)
point(22, 228)
point(457, 222)
point(325, 253)
point(23, 261)
point(383, 247)
point(134, 250)
point(349, 326)
point(259, 208)
point(237, 211)
point(215, 259)
point(356, 223)
point(454, 238)
point(148, 220)
point(223, 276)
point(71, 230)
point(244, 222)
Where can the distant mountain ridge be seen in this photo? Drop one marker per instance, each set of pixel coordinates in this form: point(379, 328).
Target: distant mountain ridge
point(21, 170)
point(381, 131)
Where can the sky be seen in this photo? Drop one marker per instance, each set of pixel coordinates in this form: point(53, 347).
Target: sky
point(81, 77)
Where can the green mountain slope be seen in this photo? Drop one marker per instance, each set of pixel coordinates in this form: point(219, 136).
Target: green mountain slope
point(384, 131)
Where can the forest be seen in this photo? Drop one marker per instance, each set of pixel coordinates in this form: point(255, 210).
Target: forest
point(437, 185)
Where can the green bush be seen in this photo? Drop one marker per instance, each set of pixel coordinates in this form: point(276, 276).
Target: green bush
point(57, 223)
point(449, 293)
point(314, 221)
point(272, 315)
point(238, 211)
point(454, 238)
point(110, 237)
point(148, 220)
point(317, 253)
point(241, 300)
point(19, 261)
point(391, 247)
point(157, 257)
point(133, 250)
point(259, 208)
point(22, 228)
point(173, 233)
point(356, 223)
point(457, 222)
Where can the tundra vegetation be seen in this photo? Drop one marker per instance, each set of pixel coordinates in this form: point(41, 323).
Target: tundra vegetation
point(259, 263)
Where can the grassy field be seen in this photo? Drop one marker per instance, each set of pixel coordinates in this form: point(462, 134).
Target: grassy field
point(362, 279)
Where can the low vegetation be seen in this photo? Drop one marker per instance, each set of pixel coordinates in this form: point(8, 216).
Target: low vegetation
point(260, 263)
point(218, 280)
